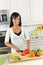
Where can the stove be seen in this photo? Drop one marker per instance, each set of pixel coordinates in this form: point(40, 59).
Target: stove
point(3, 47)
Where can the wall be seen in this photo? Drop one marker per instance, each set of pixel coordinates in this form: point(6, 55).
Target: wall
point(4, 27)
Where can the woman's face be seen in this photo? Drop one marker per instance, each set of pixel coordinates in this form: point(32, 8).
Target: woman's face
point(16, 20)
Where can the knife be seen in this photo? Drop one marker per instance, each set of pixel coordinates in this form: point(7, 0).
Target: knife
point(21, 50)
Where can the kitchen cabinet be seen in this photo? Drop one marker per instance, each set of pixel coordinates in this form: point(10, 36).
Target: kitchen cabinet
point(36, 43)
point(36, 8)
point(31, 10)
point(23, 8)
point(4, 4)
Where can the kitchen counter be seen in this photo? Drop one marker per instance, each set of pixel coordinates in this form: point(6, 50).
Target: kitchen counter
point(31, 62)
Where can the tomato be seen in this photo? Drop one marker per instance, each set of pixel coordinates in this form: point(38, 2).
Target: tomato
point(26, 51)
point(23, 54)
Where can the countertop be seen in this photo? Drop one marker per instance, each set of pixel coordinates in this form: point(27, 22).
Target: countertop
point(31, 62)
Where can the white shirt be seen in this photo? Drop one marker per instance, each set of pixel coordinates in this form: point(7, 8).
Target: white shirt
point(19, 41)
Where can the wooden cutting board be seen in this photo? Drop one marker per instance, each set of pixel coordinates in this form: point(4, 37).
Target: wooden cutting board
point(24, 58)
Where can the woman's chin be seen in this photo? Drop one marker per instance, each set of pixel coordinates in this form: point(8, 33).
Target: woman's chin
point(16, 24)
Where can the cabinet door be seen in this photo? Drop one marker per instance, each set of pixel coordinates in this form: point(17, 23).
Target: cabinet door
point(4, 4)
point(36, 7)
point(22, 7)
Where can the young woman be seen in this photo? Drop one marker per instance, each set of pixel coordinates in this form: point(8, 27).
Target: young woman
point(18, 35)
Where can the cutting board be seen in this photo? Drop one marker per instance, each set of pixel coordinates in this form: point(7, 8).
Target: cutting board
point(24, 58)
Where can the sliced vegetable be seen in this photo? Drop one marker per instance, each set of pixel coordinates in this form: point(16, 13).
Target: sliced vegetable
point(2, 60)
point(14, 56)
point(23, 54)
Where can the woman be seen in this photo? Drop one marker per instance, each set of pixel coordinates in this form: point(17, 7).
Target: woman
point(18, 35)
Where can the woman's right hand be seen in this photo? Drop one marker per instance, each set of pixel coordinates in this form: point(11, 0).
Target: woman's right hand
point(17, 49)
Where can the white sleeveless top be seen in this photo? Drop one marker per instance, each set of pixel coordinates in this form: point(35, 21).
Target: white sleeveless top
point(19, 41)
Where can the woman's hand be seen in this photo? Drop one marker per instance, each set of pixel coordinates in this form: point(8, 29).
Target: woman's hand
point(28, 44)
point(12, 46)
point(17, 49)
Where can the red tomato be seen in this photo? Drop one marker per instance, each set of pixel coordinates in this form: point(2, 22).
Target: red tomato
point(27, 51)
point(23, 54)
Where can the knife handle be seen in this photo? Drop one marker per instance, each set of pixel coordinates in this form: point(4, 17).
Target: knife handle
point(21, 50)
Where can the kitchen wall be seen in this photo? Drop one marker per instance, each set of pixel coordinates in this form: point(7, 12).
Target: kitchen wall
point(4, 5)
point(4, 27)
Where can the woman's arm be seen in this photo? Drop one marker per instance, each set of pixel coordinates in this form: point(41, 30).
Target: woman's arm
point(12, 46)
point(28, 44)
point(7, 37)
point(27, 37)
